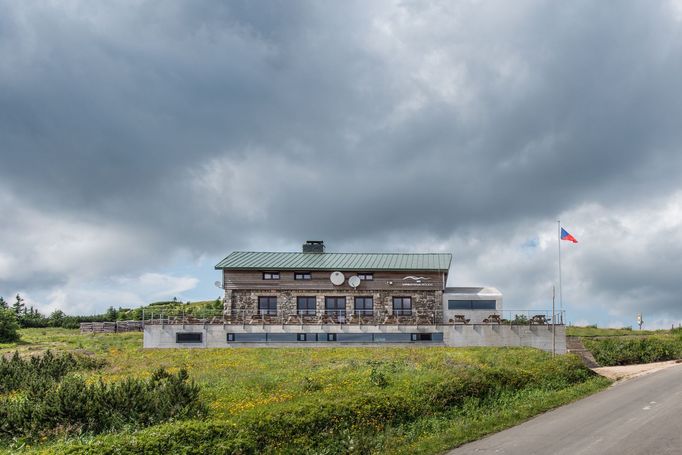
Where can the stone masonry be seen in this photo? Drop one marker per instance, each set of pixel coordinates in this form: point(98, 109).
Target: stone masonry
point(423, 302)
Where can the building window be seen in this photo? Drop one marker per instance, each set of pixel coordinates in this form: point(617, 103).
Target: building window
point(302, 276)
point(471, 305)
point(335, 306)
point(364, 306)
point(271, 275)
point(306, 306)
point(230, 337)
point(402, 306)
point(267, 305)
point(366, 276)
point(188, 337)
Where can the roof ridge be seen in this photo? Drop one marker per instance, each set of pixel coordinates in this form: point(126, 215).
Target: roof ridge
point(336, 252)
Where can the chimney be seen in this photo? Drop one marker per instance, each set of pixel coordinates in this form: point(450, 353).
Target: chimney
point(313, 246)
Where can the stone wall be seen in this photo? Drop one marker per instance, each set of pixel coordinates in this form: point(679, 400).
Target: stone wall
point(424, 302)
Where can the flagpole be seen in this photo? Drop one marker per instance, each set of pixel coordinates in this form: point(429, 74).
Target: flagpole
point(553, 323)
point(561, 300)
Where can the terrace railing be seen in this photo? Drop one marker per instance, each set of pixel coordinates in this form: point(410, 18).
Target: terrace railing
point(270, 317)
point(341, 317)
point(512, 317)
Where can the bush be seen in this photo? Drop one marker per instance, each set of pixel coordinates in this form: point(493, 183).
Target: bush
point(36, 373)
point(633, 350)
point(350, 422)
point(8, 326)
point(74, 406)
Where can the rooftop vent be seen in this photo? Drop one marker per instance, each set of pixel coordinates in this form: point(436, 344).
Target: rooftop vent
point(313, 246)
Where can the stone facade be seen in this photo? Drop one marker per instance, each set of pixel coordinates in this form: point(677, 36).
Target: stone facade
point(423, 302)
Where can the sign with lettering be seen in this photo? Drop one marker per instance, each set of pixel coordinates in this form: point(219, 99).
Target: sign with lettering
point(416, 281)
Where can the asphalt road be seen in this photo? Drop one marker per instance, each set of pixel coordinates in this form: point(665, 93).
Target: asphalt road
point(639, 416)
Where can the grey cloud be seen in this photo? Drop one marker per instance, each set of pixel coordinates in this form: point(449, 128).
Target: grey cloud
point(356, 123)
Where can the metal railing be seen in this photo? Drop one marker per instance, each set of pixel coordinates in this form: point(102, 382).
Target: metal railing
point(360, 317)
point(305, 316)
point(509, 317)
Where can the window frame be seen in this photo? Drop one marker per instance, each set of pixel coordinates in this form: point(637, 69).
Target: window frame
point(189, 341)
point(366, 276)
point(364, 311)
point(307, 311)
point(303, 276)
point(335, 311)
point(401, 310)
point(267, 311)
point(469, 305)
point(272, 276)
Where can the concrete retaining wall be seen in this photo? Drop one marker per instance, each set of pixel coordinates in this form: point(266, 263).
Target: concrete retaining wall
point(536, 336)
point(216, 336)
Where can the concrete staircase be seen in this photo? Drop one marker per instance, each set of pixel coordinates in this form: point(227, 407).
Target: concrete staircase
point(575, 346)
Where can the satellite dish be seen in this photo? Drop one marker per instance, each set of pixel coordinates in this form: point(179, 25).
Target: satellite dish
point(218, 284)
point(354, 281)
point(337, 278)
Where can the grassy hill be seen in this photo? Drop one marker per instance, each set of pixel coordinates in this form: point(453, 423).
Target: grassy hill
point(331, 400)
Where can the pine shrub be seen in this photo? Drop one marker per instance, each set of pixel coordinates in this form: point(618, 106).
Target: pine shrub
point(47, 400)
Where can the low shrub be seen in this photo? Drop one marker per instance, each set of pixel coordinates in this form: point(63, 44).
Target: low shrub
point(351, 422)
point(633, 350)
point(74, 406)
point(38, 372)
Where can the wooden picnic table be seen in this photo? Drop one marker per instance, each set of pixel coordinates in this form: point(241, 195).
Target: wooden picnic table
point(538, 319)
point(294, 319)
point(460, 319)
point(493, 319)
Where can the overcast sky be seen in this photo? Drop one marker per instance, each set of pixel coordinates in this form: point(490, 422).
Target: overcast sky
point(141, 142)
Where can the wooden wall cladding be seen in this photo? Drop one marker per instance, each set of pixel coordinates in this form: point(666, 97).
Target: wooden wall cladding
point(383, 280)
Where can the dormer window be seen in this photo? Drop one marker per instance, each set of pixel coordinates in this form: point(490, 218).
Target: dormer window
point(271, 275)
point(366, 276)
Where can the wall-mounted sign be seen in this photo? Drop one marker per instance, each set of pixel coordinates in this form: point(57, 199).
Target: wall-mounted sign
point(416, 281)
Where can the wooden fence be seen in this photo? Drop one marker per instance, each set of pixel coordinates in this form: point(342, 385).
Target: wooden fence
point(112, 327)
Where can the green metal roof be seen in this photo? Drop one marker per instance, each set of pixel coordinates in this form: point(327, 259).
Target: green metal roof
point(248, 260)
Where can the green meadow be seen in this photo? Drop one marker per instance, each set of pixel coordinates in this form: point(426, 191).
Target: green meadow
point(325, 400)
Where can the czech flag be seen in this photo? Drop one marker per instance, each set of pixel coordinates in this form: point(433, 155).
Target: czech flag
point(566, 236)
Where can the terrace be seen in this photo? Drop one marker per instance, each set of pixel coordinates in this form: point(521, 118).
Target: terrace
point(345, 318)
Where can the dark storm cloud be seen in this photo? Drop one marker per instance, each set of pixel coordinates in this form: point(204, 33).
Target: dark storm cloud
point(191, 126)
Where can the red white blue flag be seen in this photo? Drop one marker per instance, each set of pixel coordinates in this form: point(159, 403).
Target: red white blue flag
point(566, 236)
